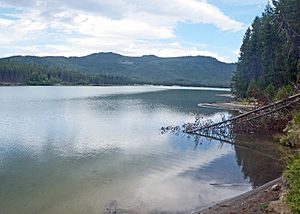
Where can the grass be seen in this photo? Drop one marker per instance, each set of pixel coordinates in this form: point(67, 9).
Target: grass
point(292, 174)
point(263, 207)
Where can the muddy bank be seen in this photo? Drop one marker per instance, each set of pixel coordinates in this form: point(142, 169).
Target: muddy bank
point(265, 199)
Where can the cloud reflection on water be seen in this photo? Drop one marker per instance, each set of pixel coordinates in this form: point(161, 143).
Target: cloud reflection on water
point(79, 148)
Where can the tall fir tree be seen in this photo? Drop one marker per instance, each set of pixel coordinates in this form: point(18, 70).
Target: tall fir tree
point(269, 55)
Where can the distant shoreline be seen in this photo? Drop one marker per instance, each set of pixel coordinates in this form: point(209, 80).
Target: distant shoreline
point(225, 89)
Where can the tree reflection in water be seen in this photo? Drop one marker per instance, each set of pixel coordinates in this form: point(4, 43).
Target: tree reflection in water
point(258, 156)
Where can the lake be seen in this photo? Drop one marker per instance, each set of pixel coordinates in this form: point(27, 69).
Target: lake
point(88, 149)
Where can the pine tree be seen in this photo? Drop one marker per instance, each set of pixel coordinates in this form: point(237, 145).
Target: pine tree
point(269, 57)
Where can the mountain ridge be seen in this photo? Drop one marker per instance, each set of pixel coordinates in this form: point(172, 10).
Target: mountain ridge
point(147, 69)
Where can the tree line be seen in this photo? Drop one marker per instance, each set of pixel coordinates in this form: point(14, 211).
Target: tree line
point(17, 73)
point(269, 64)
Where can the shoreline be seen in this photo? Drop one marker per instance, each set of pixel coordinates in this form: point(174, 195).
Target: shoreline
point(266, 198)
point(231, 106)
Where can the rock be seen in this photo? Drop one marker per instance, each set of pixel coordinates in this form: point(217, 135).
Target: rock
point(275, 187)
point(111, 207)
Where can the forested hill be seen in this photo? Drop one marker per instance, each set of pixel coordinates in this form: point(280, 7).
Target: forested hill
point(269, 64)
point(190, 70)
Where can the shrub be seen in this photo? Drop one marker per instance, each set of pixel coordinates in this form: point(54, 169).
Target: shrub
point(270, 91)
point(284, 92)
point(292, 132)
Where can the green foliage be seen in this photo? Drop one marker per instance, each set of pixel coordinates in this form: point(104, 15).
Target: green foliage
point(252, 88)
point(292, 174)
point(284, 92)
point(194, 71)
point(263, 207)
point(292, 132)
point(269, 55)
point(12, 72)
point(270, 91)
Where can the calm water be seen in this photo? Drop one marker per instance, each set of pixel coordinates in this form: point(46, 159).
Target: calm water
point(82, 149)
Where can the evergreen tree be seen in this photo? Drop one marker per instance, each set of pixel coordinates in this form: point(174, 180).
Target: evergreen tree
point(269, 55)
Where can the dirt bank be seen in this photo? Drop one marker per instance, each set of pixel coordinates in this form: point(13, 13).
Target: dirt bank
point(265, 199)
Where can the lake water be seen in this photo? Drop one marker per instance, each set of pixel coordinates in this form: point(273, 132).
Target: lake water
point(84, 149)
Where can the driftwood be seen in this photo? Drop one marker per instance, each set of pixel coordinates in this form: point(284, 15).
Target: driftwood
point(255, 114)
point(272, 117)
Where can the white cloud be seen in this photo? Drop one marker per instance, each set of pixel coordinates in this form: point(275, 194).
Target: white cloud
point(130, 27)
point(128, 48)
point(5, 22)
point(20, 30)
point(246, 2)
point(236, 52)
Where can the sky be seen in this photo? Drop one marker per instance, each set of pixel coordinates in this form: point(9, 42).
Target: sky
point(165, 28)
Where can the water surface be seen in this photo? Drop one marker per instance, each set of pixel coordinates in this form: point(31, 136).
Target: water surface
point(81, 149)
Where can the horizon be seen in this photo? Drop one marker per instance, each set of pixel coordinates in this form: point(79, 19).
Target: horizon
point(131, 28)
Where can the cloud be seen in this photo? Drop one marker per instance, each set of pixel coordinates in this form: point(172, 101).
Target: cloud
point(20, 30)
point(174, 10)
point(5, 23)
point(246, 2)
point(126, 26)
point(128, 48)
